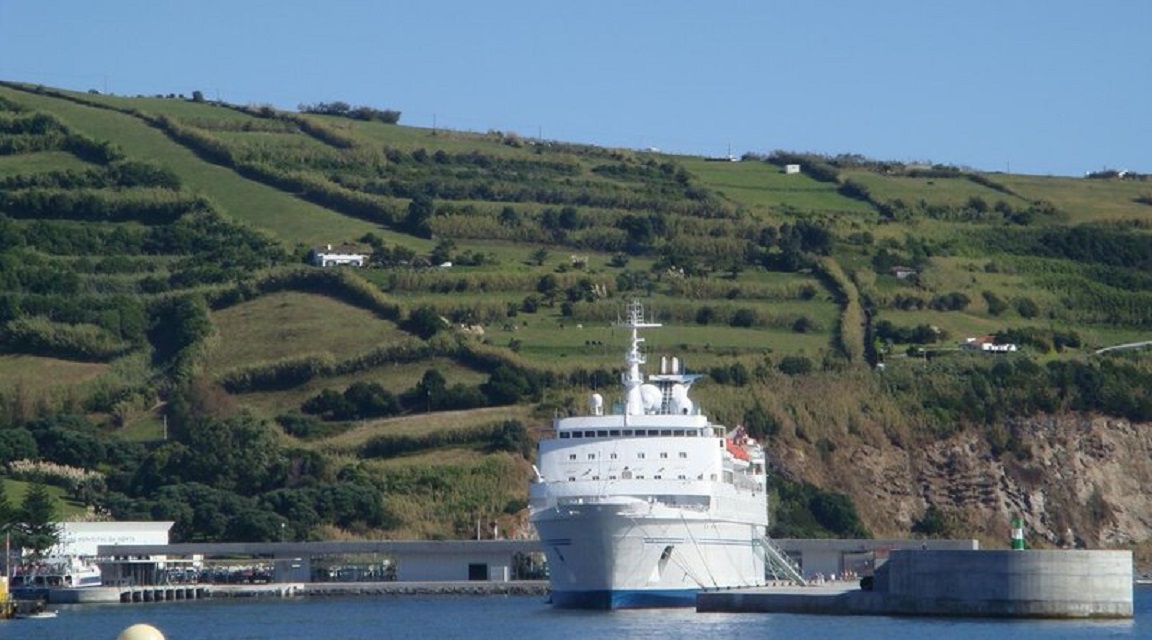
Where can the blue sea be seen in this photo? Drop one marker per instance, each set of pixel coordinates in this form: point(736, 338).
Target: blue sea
point(522, 618)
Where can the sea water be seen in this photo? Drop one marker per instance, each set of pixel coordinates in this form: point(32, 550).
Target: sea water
point(524, 618)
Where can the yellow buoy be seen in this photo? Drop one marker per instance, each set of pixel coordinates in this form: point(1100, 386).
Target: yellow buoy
point(140, 632)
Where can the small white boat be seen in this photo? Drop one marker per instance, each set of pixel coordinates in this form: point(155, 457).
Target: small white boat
point(36, 615)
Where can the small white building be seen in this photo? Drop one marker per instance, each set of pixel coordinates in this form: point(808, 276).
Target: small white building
point(338, 256)
point(790, 169)
point(987, 344)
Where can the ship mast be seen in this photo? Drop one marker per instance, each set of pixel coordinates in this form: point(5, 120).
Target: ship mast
point(632, 378)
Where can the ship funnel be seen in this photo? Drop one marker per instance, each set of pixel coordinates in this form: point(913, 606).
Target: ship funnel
point(675, 365)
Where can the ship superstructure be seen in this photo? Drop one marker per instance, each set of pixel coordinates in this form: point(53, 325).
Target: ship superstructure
point(648, 503)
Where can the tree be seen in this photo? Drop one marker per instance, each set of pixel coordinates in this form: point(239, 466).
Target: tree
point(369, 400)
point(37, 527)
point(424, 322)
point(420, 210)
point(549, 286)
point(509, 385)
point(443, 251)
point(539, 256)
point(430, 390)
point(509, 217)
point(17, 444)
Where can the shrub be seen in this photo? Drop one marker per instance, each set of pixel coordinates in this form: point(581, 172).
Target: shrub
point(795, 365)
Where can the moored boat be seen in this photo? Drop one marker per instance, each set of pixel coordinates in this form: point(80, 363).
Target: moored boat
point(650, 502)
point(56, 573)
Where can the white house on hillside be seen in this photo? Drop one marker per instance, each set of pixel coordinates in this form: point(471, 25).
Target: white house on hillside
point(338, 256)
point(987, 344)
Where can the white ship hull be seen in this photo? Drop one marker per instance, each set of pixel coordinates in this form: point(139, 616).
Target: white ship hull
point(612, 556)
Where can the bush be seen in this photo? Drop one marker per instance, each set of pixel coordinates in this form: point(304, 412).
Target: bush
point(795, 365)
point(743, 317)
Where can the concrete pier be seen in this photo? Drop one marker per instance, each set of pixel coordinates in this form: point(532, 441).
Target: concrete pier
point(1013, 584)
point(162, 593)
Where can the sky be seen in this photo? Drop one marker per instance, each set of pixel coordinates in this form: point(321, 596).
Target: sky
point(1046, 87)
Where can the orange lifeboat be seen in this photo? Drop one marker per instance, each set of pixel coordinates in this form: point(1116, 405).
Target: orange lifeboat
point(735, 449)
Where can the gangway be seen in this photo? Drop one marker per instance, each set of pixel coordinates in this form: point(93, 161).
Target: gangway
point(778, 563)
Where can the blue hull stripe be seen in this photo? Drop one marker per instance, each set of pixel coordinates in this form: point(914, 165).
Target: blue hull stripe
point(625, 599)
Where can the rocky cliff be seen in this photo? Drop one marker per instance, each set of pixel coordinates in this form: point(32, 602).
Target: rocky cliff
point(1076, 481)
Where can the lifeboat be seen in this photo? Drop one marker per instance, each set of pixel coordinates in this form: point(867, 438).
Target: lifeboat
point(735, 449)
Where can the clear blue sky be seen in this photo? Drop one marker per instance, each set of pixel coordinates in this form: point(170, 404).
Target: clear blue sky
point(1042, 86)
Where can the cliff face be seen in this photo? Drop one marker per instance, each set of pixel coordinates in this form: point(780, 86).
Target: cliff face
point(1076, 481)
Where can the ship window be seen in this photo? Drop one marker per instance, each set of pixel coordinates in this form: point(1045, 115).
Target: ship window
point(595, 477)
point(591, 456)
point(577, 434)
point(589, 434)
point(640, 455)
point(678, 432)
point(682, 477)
point(571, 456)
point(603, 433)
point(713, 476)
point(571, 478)
point(612, 456)
point(663, 454)
point(614, 433)
point(665, 432)
point(640, 477)
point(626, 474)
point(653, 432)
point(627, 432)
point(658, 477)
point(611, 477)
point(683, 454)
point(565, 434)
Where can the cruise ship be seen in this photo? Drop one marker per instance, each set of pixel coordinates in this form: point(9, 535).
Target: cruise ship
point(649, 502)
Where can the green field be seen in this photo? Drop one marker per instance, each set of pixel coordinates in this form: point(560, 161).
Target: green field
point(283, 325)
point(32, 163)
point(946, 191)
point(763, 187)
point(66, 509)
point(1086, 200)
point(281, 215)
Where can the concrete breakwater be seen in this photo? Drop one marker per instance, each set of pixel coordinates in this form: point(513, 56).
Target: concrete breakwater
point(1023, 584)
point(165, 593)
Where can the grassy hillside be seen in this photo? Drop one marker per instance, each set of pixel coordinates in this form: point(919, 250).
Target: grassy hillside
point(155, 281)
